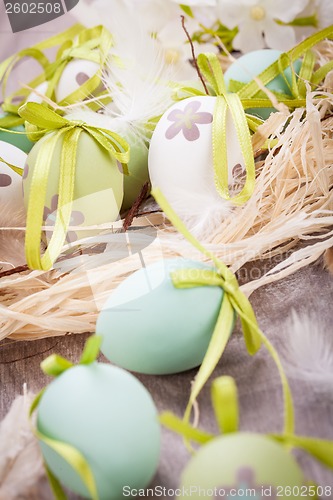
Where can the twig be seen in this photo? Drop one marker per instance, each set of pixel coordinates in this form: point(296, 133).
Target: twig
point(16, 270)
point(133, 212)
point(193, 55)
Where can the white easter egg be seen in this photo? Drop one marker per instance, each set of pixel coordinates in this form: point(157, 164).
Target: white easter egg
point(75, 74)
point(41, 89)
point(181, 153)
point(11, 182)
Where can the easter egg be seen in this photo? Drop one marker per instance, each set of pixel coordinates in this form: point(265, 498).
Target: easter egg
point(242, 465)
point(181, 153)
point(138, 164)
point(98, 191)
point(76, 73)
point(150, 326)
point(19, 140)
point(252, 64)
point(110, 418)
point(41, 89)
point(10, 181)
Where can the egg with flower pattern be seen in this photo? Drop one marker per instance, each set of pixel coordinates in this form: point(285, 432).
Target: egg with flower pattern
point(240, 465)
point(181, 153)
point(11, 181)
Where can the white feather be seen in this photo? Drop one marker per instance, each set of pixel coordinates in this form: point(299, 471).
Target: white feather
point(308, 348)
point(21, 464)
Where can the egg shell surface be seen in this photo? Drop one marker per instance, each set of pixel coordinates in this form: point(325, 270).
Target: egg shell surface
point(251, 65)
point(110, 417)
point(181, 152)
point(150, 326)
point(98, 191)
point(75, 74)
point(138, 164)
point(239, 463)
point(10, 181)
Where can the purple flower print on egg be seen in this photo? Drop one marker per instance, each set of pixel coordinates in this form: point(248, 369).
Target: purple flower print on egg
point(5, 180)
point(246, 482)
point(186, 121)
point(50, 215)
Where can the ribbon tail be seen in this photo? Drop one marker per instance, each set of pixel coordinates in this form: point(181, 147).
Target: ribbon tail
point(55, 485)
point(175, 424)
point(321, 449)
point(225, 403)
point(217, 345)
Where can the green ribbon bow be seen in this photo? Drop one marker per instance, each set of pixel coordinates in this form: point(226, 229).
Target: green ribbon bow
point(234, 301)
point(91, 44)
point(44, 121)
point(54, 366)
point(224, 397)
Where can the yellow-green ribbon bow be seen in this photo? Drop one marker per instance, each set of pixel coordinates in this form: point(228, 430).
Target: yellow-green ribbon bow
point(234, 301)
point(54, 366)
point(37, 53)
point(91, 44)
point(47, 121)
point(224, 397)
point(210, 68)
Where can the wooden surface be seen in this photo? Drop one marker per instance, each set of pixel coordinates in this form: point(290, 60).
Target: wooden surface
point(308, 291)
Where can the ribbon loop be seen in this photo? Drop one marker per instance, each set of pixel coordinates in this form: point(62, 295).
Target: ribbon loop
point(46, 121)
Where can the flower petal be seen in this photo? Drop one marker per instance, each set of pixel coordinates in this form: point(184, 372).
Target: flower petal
point(279, 37)
point(231, 13)
point(173, 116)
point(191, 134)
point(203, 117)
point(286, 10)
point(250, 37)
point(192, 107)
point(173, 130)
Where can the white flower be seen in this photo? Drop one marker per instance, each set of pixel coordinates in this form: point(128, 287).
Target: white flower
point(256, 21)
point(197, 3)
point(322, 10)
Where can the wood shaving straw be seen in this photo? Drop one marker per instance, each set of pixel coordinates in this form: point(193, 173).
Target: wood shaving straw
point(289, 217)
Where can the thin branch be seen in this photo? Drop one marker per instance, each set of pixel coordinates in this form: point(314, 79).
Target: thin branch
point(193, 55)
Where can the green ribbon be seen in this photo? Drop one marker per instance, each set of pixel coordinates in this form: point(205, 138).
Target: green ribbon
point(45, 120)
point(91, 44)
point(210, 68)
point(234, 301)
point(226, 409)
point(54, 366)
point(16, 169)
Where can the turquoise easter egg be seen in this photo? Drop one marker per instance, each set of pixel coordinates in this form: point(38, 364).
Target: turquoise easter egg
point(19, 140)
point(242, 465)
point(251, 65)
point(149, 326)
point(110, 418)
point(98, 190)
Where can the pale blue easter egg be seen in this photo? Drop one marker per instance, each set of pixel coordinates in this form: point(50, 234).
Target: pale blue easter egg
point(150, 326)
point(251, 65)
point(108, 416)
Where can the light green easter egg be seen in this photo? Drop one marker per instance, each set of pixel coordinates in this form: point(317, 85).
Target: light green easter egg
point(138, 164)
point(108, 416)
point(149, 326)
point(19, 140)
point(98, 191)
point(242, 465)
point(252, 64)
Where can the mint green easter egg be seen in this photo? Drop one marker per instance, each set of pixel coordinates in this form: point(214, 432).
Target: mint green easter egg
point(19, 140)
point(108, 416)
point(149, 326)
point(242, 465)
point(252, 64)
point(98, 192)
point(138, 164)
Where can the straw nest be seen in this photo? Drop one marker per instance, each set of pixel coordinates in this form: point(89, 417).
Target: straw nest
point(287, 221)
